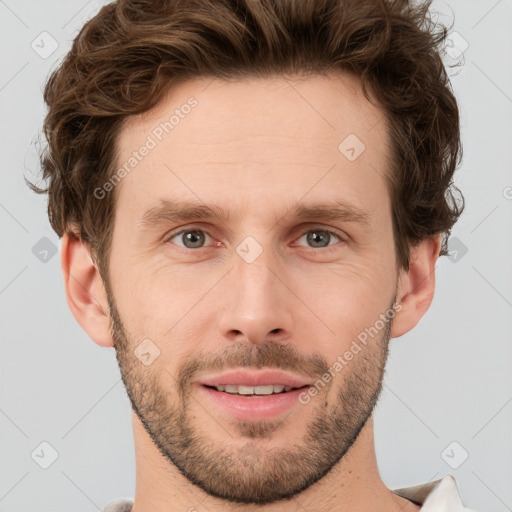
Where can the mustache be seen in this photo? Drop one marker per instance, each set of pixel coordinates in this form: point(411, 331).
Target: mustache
point(268, 355)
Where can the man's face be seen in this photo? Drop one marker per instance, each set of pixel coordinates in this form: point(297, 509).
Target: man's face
point(261, 288)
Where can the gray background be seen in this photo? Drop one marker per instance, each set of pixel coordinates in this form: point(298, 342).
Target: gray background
point(449, 380)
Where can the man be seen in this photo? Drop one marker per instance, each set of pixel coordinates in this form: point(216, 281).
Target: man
point(252, 197)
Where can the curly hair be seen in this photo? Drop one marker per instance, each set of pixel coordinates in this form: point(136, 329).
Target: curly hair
point(127, 57)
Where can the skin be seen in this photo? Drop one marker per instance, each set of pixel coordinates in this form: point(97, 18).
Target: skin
point(256, 148)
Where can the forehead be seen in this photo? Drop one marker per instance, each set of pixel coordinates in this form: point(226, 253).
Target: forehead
point(333, 104)
point(266, 138)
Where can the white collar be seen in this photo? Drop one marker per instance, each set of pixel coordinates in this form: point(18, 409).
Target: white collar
point(438, 496)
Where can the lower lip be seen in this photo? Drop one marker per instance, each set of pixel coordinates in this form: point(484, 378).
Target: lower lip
point(255, 408)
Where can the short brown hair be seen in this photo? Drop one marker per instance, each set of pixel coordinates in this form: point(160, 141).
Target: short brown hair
point(126, 58)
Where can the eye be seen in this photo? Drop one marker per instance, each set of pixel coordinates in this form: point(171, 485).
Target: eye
point(190, 238)
point(197, 238)
point(320, 238)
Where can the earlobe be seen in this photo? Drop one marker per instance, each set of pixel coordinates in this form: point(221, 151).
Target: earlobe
point(416, 286)
point(85, 292)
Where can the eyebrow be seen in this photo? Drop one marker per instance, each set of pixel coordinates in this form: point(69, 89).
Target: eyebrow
point(174, 211)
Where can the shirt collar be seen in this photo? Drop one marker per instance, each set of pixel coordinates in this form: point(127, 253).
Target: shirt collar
point(438, 496)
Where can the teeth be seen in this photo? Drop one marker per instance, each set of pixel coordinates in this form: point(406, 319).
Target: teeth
point(253, 390)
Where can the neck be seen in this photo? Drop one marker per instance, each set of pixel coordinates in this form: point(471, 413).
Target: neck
point(353, 485)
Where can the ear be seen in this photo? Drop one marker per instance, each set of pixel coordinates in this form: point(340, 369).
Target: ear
point(85, 292)
point(416, 286)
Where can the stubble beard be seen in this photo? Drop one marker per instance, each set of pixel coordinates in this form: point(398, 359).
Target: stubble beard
point(248, 472)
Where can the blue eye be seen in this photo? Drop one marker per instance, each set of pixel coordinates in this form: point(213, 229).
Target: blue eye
point(320, 238)
point(193, 239)
point(197, 238)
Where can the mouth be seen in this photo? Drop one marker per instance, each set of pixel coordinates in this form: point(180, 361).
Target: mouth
point(254, 391)
point(250, 403)
point(252, 395)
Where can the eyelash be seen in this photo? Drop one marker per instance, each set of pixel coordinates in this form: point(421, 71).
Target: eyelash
point(323, 230)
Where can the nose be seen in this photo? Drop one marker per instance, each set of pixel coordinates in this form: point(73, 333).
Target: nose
point(258, 304)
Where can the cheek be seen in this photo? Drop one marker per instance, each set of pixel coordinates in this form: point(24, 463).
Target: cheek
point(167, 301)
point(356, 287)
point(347, 299)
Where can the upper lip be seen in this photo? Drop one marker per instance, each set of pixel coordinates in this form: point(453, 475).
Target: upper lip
point(258, 378)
